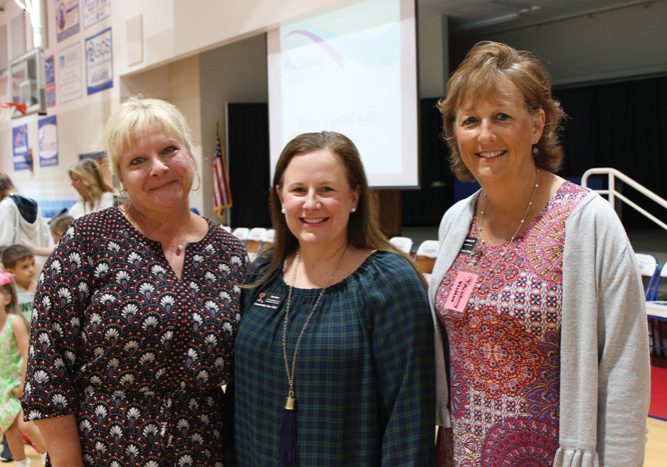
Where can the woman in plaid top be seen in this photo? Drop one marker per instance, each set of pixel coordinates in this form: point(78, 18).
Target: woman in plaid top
point(360, 389)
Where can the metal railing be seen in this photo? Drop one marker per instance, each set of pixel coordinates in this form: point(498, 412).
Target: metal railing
point(613, 194)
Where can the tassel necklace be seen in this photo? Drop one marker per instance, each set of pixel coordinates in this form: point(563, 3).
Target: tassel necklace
point(288, 433)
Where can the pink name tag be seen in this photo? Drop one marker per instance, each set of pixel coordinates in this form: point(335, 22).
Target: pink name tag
point(460, 292)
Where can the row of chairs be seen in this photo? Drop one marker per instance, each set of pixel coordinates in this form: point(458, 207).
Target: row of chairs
point(424, 256)
point(652, 274)
point(656, 311)
point(256, 239)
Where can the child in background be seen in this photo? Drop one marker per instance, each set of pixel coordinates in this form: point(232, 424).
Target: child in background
point(13, 360)
point(20, 261)
point(58, 225)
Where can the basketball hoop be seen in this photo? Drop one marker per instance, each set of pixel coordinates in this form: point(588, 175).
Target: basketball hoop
point(9, 110)
point(19, 106)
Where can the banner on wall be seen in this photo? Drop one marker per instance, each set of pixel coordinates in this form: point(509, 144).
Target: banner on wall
point(50, 81)
point(48, 141)
point(99, 62)
point(22, 158)
point(69, 73)
point(95, 11)
point(67, 18)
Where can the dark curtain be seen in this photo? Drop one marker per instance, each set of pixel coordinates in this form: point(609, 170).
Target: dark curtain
point(619, 125)
point(623, 126)
point(426, 205)
point(248, 138)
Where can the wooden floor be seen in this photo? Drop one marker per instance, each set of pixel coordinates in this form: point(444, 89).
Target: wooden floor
point(656, 449)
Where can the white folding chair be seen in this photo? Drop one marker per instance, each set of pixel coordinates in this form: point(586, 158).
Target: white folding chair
point(425, 257)
point(267, 241)
point(241, 233)
point(402, 243)
point(656, 312)
point(227, 228)
point(648, 269)
point(254, 243)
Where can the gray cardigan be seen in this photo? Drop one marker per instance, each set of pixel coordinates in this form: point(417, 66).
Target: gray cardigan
point(605, 369)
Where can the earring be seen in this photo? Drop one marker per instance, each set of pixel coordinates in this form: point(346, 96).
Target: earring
point(535, 150)
point(353, 210)
point(282, 210)
point(198, 182)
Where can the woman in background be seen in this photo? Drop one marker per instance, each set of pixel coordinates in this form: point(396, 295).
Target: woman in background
point(333, 358)
point(535, 285)
point(94, 191)
point(136, 312)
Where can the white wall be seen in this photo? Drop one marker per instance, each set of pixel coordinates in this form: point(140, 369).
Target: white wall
point(201, 54)
point(433, 54)
point(615, 44)
point(172, 34)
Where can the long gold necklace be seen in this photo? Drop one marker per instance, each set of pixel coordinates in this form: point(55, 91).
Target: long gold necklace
point(288, 435)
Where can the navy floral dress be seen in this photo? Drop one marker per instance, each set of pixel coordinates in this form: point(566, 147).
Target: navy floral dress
point(137, 354)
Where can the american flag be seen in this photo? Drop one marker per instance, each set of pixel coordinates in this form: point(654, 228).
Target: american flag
point(222, 193)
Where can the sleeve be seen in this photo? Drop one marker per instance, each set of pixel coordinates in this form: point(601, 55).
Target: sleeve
point(605, 368)
point(402, 344)
point(76, 210)
point(106, 201)
point(55, 336)
point(624, 366)
point(8, 222)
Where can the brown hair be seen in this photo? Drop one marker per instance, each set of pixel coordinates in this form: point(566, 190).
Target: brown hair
point(6, 185)
point(484, 71)
point(14, 253)
point(363, 229)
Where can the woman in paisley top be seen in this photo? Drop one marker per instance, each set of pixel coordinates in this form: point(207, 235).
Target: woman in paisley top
point(136, 312)
point(535, 286)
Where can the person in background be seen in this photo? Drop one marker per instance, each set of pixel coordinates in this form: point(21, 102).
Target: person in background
point(20, 261)
point(58, 225)
point(95, 193)
point(535, 287)
point(136, 313)
point(13, 358)
point(333, 360)
point(20, 217)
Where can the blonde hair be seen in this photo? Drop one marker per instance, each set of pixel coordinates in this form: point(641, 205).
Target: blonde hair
point(139, 115)
point(60, 223)
point(90, 174)
point(485, 71)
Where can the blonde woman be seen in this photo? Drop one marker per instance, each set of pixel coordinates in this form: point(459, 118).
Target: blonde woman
point(95, 193)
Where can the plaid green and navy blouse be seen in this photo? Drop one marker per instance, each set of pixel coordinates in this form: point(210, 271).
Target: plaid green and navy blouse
point(365, 372)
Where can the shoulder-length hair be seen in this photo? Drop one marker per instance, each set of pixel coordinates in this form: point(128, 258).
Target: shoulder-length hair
point(485, 72)
point(363, 229)
point(90, 174)
point(139, 115)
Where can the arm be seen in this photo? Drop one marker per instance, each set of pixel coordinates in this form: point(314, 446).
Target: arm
point(62, 440)
point(39, 251)
point(21, 336)
point(50, 396)
point(624, 367)
point(402, 342)
point(605, 373)
point(8, 222)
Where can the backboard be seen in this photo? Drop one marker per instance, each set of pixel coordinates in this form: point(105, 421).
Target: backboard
point(26, 75)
